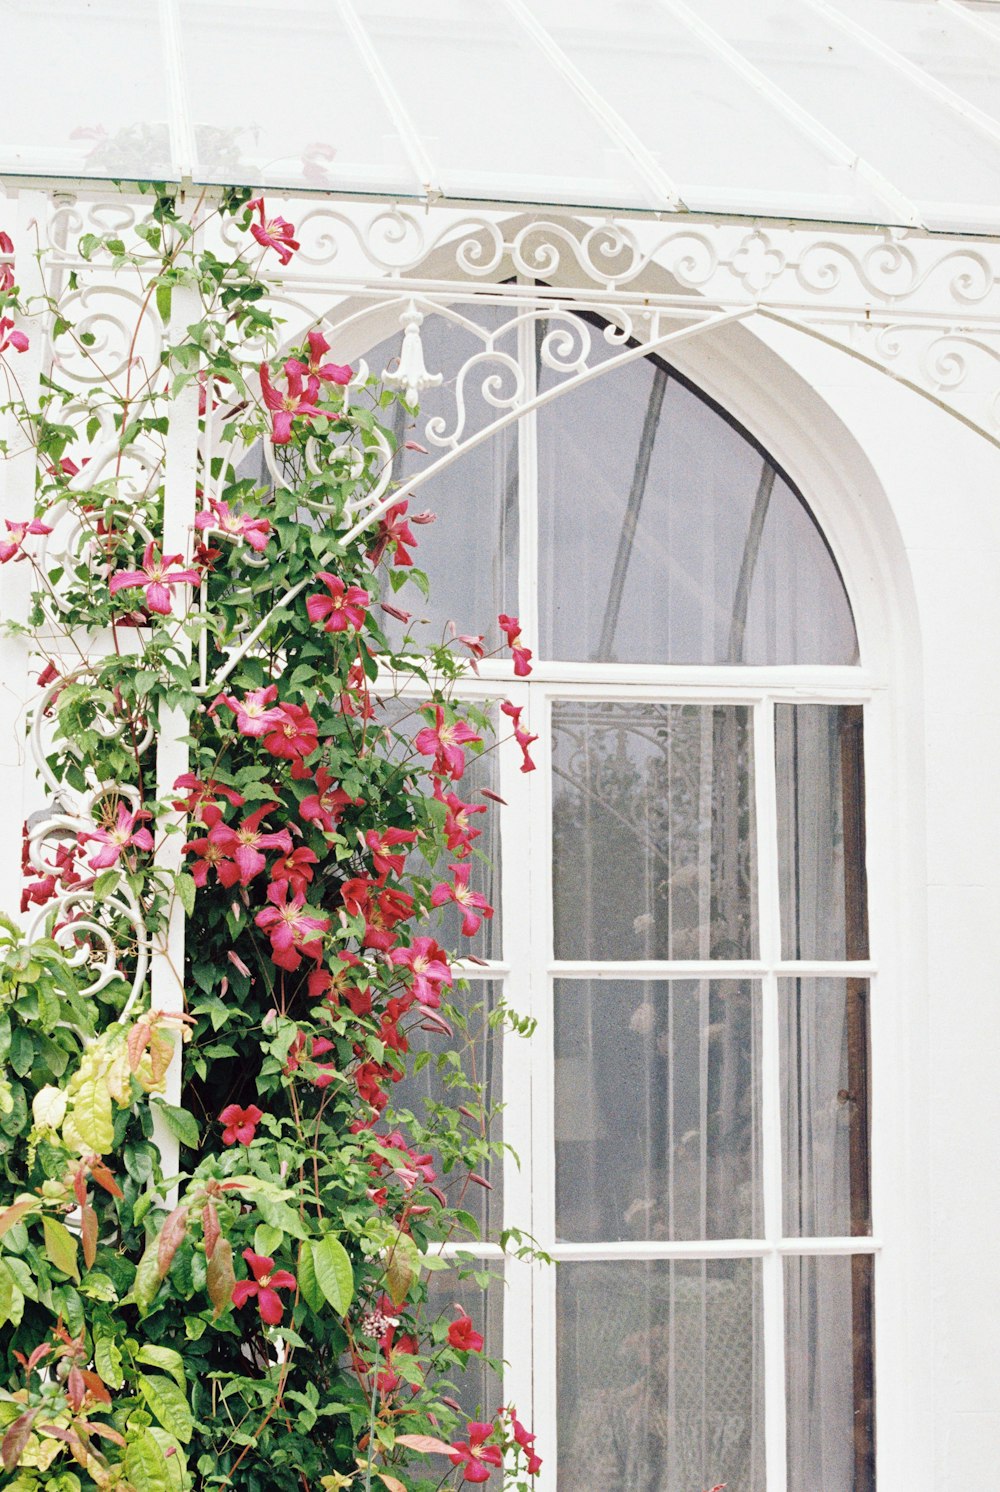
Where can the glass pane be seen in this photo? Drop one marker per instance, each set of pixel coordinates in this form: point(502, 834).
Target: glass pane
point(666, 536)
point(470, 551)
point(829, 1373)
point(660, 1376)
point(824, 1106)
point(657, 1109)
point(480, 1048)
point(653, 831)
point(479, 1390)
point(821, 831)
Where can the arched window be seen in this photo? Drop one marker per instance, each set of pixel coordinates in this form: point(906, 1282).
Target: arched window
point(681, 906)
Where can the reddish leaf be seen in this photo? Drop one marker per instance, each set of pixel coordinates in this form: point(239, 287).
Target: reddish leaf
point(80, 1186)
point(95, 1429)
point(104, 1178)
point(95, 1385)
point(210, 1224)
point(88, 1233)
point(136, 1044)
point(16, 1439)
point(391, 1482)
point(171, 1237)
point(221, 1277)
point(76, 1389)
point(14, 1214)
point(427, 1443)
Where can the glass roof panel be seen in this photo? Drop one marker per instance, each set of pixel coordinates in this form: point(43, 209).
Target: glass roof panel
point(285, 99)
point(84, 95)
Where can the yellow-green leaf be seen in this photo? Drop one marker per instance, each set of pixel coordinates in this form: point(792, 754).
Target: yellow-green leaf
point(164, 1358)
point(334, 1274)
point(48, 1107)
point(145, 1463)
point(60, 1247)
point(221, 1276)
point(11, 1298)
point(89, 1127)
point(169, 1405)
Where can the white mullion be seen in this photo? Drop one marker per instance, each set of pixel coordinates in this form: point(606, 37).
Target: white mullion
point(653, 969)
point(769, 937)
point(527, 492)
point(712, 1248)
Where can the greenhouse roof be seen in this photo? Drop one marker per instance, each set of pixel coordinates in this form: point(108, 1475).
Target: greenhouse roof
point(843, 111)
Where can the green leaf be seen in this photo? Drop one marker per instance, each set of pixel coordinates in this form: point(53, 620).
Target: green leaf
point(106, 881)
point(308, 1283)
point(334, 1274)
point(89, 1128)
point(145, 1464)
point(108, 1362)
point(60, 1247)
point(169, 1404)
point(11, 1298)
point(164, 1358)
point(280, 1215)
point(163, 297)
point(187, 891)
point(267, 1240)
point(147, 1278)
point(22, 1051)
point(182, 1125)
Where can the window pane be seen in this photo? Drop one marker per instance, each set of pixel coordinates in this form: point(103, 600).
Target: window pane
point(660, 1376)
point(653, 825)
point(470, 552)
point(667, 536)
point(480, 1047)
point(657, 1109)
point(829, 1372)
point(821, 831)
point(824, 1104)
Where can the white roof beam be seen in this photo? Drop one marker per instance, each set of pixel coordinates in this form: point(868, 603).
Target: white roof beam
point(662, 190)
point(413, 146)
point(977, 118)
point(971, 18)
point(182, 142)
point(903, 209)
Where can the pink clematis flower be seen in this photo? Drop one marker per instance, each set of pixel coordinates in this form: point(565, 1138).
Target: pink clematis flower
point(155, 579)
point(526, 1442)
point(201, 792)
point(293, 736)
point(459, 833)
point(296, 868)
point(393, 530)
point(240, 1124)
point(381, 907)
point(428, 963)
point(6, 270)
point(123, 836)
point(256, 712)
point(255, 531)
point(474, 1454)
point(18, 532)
point(462, 1336)
point(295, 401)
point(522, 655)
point(381, 844)
point(344, 606)
point(444, 742)
point(243, 846)
point(315, 367)
point(266, 1283)
point(470, 903)
point(293, 931)
point(520, 736)
point(11, 338)
point(326, 807)
point(276, 233)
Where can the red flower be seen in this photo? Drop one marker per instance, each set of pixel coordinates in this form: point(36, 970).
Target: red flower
point(470, 902)
point(266, 1283)
point(275, 234)
point(344, 607)
point(381, 912)
point(476, 1456)
point(428, 963)
point(243, 846)
point(240, 1124)
point(459, 834)
point(122, 837)
point(292, 929)
point(462, 1336)
point(296, 868)
point(295, 401)
point(326, 807)
point(520, 736)
point(293, 735)
point(200, 793)
point(9, 337)
point(444, 742)
point(381, 843)
point(526, 1443)
point(223, 520)
point(522, 655)
point(18, 531)
point(316, 368)
point(155, 579)
point(393, 530)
